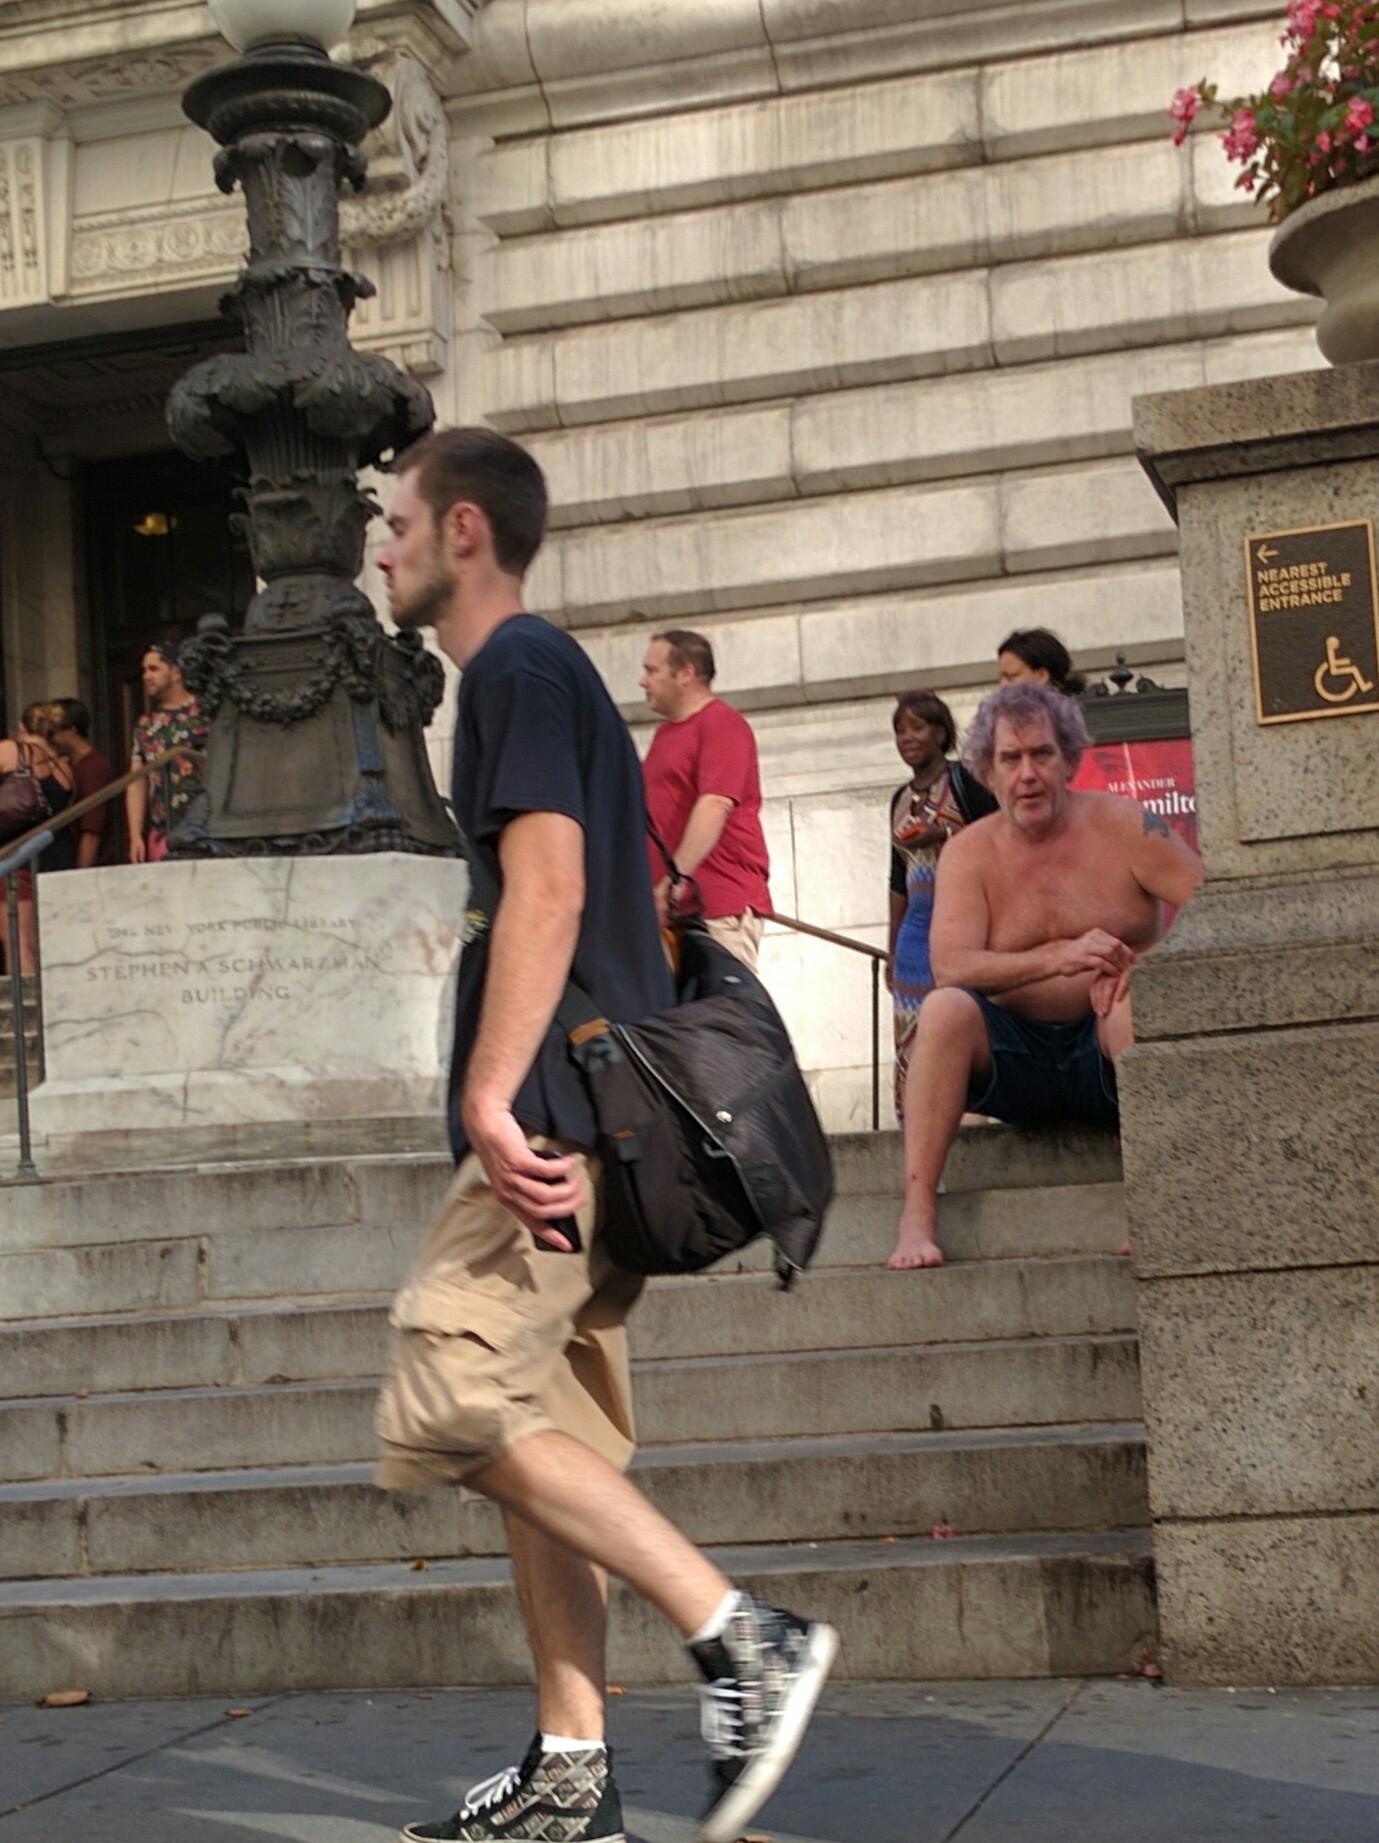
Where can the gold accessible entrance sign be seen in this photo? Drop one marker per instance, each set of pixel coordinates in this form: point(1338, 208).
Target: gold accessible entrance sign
point(1314, 621)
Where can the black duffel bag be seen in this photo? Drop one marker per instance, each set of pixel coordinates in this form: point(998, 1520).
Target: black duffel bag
point(707, 1133)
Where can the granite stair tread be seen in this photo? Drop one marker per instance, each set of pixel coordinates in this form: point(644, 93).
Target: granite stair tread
point(803, 1446)
point(741, 1562)
point(1018, 1605)
point(270, 1342)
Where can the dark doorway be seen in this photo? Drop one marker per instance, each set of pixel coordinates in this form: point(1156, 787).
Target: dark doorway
point(160, 554)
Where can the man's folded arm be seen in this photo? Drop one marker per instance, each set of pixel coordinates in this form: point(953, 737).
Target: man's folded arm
point(962, 923)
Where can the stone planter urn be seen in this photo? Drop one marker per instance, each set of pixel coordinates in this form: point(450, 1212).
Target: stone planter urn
point(1330, 247)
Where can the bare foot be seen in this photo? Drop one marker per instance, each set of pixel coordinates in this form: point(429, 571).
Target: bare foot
point(915, 1247)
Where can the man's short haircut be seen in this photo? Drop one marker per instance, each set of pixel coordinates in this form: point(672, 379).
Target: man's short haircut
point(78, 717)
point(492, 472)
point(1021, 704)
point(166, 650)
point(929, 708)
point(689, 649)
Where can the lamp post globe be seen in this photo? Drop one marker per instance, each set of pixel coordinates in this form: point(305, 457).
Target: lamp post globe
point(247, 23)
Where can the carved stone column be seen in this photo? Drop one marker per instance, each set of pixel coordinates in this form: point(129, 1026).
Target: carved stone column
point(316, 715)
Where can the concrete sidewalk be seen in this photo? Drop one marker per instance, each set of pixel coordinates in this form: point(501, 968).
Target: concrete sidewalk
point(1041, 1762)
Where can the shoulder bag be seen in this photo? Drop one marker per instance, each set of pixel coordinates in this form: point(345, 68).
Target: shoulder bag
point(706, 1130)
point(23, 803)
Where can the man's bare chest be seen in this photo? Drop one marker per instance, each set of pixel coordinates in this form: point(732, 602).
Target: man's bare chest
point(1031, 901)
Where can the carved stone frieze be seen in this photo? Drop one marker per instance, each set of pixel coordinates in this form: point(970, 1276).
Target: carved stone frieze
point(140, 252)
point(111, 78)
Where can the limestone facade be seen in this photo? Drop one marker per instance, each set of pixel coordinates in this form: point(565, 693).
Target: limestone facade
point(823, 316)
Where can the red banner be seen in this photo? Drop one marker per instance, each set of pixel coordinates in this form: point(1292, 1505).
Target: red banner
point(1157, 774)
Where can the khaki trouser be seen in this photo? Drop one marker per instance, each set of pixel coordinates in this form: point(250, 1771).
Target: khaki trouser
point(495, 1339)
point(740, 934)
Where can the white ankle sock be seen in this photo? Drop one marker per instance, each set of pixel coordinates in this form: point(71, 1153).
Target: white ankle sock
point(714, 1624)
point(564, 1743)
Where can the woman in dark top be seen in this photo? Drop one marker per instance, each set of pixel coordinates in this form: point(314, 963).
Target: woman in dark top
point(1034, 652)
point(33, 750)
point(939, 799)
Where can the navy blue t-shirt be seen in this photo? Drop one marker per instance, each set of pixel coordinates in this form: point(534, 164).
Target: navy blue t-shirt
point(538, 733)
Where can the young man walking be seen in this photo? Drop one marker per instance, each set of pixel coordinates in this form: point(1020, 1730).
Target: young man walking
point(510, 1369)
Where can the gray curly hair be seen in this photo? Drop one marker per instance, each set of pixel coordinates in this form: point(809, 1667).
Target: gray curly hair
point(1021, 704)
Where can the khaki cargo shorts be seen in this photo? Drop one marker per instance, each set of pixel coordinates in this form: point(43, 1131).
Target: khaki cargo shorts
point(494, 1340)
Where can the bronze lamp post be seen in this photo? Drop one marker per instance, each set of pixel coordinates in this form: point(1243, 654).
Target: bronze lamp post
point(316, 714)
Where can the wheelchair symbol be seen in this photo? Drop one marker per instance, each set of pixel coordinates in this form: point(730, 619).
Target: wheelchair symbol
point(1337, 667)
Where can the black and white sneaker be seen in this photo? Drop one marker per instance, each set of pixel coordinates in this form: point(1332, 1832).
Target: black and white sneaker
point(549, 1798)
point(762, 1677)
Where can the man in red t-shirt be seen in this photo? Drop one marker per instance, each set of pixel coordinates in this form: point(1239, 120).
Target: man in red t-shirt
point(95, 831)
point(703, 792)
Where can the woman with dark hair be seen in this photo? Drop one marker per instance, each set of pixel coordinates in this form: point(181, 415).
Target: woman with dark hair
point(939, 798)
point(33, 753)
point(1034, 652)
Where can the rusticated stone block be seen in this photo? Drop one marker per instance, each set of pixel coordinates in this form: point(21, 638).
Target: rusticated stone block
point(1253, 1151)
point(1276, 1377)
point(1280, 1600)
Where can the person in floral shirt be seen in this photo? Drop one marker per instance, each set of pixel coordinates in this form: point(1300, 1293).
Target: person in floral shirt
point(173, 721)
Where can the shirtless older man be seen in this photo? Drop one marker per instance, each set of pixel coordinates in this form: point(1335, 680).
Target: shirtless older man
point(1040, 912)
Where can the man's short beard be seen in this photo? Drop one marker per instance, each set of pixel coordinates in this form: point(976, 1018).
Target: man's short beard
point(429, 600)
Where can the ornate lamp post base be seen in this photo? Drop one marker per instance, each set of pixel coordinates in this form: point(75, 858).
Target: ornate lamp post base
point(316, 715)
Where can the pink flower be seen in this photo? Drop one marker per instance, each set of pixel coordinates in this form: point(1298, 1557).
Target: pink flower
point(1241, 139)
point(1359, 114)
point(1281, 86)
point(1183, 109)
point(1324, 141)
point(1362, 146)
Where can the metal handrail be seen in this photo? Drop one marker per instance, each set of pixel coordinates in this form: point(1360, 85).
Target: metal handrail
point(878, 960)
point(80, 807)
point(20, 852)
point(15, 859)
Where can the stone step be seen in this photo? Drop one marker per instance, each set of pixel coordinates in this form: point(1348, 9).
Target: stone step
point(883, 1485)
point(994, 1606)
point(1017, 1382)
point(385, 1189)
point(243, 1257)
point(300, 1341)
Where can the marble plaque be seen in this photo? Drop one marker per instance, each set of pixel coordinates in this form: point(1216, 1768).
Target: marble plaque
point(247, 990)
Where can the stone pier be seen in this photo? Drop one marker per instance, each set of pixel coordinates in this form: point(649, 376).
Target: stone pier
point(1252, 1100)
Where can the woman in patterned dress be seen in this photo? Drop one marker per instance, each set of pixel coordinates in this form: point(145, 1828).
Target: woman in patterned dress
point(938, 800)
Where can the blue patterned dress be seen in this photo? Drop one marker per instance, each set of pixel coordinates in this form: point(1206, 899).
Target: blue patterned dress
point(915, 811)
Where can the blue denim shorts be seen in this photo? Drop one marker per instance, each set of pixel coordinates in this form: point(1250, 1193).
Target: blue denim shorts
point(1044, 1073)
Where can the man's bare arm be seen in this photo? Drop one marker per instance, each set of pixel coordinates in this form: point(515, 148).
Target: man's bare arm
point(961, 925)
point(531, 946)
point(703, 829)
point(1162, 863)
point(135, 808)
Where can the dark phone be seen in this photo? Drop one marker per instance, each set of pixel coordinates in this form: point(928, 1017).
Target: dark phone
point(567, 1226)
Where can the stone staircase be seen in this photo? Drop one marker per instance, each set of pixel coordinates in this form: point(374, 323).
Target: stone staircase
point(32, 1039)
point(188, 1360)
